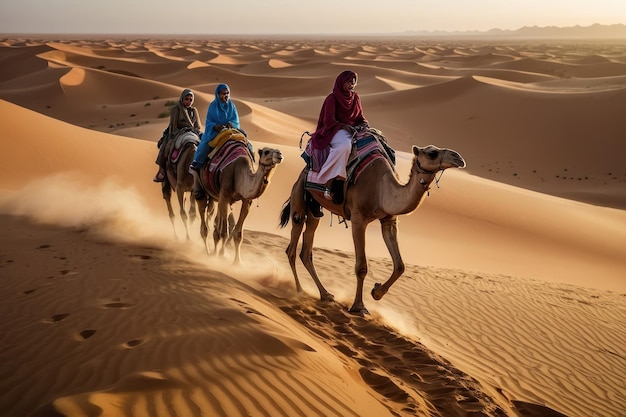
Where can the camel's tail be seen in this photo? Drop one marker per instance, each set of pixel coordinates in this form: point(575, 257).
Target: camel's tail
point(284, 213)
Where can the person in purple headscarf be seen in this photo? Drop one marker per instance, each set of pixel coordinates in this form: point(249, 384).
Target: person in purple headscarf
point(340, 117)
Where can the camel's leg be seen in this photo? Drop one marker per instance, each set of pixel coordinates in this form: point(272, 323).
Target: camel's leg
point(166, 190)
point(297, 211)
point(360, 266)
point(180, 193)
point(389, 227)
point(205, 209)
point(220, 233)
point(306, 255)
point(231, 226)
point(237, 232)
point(296, 231)
point(192, 209)
point(210, 216)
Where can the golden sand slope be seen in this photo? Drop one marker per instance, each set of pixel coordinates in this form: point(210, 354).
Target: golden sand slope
point(512, 302)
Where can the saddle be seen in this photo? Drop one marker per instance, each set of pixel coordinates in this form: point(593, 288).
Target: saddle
point(185, 138)
point(221, 157)
point(224, 136)
point(367, 147)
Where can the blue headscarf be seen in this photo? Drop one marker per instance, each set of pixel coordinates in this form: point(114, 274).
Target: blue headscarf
point(220, 113)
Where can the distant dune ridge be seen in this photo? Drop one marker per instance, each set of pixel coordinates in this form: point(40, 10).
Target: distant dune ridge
point(513, 301)
point(595, 31)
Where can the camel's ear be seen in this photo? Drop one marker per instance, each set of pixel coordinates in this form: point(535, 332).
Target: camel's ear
point(416, 150)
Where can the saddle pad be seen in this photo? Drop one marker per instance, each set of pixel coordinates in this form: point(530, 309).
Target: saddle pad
point(365, 150)
point(186, 137)
point(224, 136)
point(226, 155)
point(177, 152)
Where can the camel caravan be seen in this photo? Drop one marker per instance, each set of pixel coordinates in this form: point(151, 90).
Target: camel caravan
point(228, 176)
point(368, 189)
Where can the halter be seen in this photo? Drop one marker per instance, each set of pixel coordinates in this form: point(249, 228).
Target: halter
point(421, 170)
point(266, 168)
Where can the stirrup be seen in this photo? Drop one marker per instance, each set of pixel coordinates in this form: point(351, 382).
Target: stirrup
point(327, 194)
point(194, 169)
point(159, 177)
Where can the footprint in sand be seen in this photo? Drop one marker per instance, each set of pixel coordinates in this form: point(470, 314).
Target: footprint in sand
point(118, 304)
point(86, 334)
point(56, 318)
point(133, 343)
point(142, 257)
point(383, 385)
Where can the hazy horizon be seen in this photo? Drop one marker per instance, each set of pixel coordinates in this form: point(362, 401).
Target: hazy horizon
point(241, 17)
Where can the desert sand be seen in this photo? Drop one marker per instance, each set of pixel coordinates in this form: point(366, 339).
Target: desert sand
point(513, 302)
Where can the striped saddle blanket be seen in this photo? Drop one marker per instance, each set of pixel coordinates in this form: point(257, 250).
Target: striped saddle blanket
point(227, 153)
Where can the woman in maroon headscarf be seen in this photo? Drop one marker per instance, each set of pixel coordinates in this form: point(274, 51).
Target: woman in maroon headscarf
point(341, 116)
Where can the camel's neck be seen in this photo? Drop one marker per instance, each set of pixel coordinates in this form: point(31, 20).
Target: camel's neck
point(407, 197)
point(254, 183)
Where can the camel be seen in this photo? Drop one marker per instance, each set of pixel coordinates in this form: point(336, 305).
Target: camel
point(178, 178)
point(376, 195)
point(238, 181)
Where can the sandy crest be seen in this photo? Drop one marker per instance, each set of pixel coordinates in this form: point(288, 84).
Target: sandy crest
point(512, 302)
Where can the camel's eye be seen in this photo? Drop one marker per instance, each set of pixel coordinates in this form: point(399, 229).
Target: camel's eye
point(266, 152)
point(432, 154)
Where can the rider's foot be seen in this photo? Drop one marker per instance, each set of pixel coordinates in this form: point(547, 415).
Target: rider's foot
point(194, 168)
point(337, 191)
point(159, 177)
point(314, 206)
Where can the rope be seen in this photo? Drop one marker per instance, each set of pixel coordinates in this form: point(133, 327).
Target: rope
point(302, 136)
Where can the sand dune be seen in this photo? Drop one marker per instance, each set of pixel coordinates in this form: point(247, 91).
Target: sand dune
point(512, 302)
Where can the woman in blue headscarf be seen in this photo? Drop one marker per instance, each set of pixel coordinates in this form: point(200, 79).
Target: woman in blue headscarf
point(222, 114)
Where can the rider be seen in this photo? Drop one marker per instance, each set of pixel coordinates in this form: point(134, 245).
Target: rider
point(331, 143)
point(183, 117)
point(222, 114)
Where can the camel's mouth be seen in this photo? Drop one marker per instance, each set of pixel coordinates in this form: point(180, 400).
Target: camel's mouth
point(458, 161)
point(277, 159)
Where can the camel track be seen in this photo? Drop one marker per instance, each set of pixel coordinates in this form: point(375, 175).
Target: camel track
point(399, 369)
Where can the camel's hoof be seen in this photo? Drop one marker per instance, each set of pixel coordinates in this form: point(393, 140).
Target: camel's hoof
point(377, 293)
point(359, 311)
point(327, 297)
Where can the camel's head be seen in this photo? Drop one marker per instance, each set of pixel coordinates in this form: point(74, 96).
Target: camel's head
point(431, 159)
point(270, 157)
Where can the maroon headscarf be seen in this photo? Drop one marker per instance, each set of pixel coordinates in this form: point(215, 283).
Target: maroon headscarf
point(339, 108)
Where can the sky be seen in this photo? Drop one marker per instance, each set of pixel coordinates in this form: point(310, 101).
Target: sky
point(213, 17)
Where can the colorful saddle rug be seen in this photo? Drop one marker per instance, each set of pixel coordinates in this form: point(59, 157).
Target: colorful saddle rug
point(224, 136)
point(183, 140)
point(225, 155)
point(367, 147)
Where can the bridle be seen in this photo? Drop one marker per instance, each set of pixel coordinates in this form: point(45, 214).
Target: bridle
point(421, 170)
point(266, 169)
